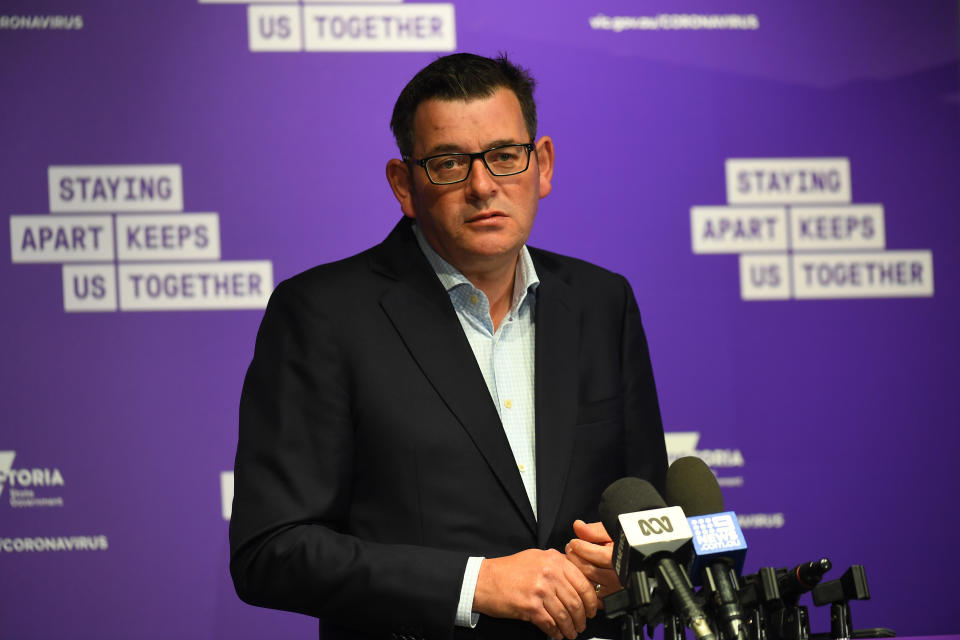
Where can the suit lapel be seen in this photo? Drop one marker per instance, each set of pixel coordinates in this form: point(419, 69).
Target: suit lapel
point(420, 309)
point(557, 339)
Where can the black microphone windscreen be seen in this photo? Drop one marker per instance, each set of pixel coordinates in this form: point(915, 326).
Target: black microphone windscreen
point(693, 487)
point(626, 495)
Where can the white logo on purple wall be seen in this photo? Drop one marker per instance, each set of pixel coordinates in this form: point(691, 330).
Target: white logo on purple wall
point(705, 22)
point(39, 544)
point(226, 494)
point(29, 486)
point(686, 443)
point(381, 25)
point(124, 243)
point(798, 235)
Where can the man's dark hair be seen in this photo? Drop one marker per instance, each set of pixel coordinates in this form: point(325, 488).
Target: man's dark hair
point(462, 76)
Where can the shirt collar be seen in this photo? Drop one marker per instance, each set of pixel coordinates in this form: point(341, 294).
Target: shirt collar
point(525, 277)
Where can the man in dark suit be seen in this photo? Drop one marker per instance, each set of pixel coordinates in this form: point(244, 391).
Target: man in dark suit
point(423, 423)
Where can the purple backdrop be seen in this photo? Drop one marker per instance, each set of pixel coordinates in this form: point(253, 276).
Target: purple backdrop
point(830, 421)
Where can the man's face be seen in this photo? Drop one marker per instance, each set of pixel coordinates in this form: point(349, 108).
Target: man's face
point(481, 223)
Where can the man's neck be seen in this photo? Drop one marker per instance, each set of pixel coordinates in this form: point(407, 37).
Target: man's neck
point(497, 284)
point(495, 276)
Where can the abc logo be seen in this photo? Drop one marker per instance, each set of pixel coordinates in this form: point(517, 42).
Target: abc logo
point(655, 526)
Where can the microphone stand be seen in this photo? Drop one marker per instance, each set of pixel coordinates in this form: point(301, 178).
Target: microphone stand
point(852, 585)
point(758, 595)
point(632, 603)
point(643, 603)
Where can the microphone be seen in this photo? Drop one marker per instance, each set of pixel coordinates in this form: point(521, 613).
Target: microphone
point(719, 548)
point(626, 496)
point(647, 534)
point(800, 579)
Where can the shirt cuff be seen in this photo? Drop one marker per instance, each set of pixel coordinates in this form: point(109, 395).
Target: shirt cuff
point(465, 615)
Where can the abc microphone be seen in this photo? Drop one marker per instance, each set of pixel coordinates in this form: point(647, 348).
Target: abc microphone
point(647, 534)
point(719, 548)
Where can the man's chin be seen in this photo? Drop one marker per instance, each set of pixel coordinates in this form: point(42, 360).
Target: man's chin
point(494, 254)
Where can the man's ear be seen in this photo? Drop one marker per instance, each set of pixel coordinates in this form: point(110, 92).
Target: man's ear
point(544, 151)
point(398, 175)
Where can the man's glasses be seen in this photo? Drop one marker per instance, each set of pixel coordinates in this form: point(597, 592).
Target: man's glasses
point(450, 168)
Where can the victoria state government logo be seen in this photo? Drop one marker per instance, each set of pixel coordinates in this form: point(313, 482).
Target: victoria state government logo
point(720, 461)
point(29, 486)
point(727, 465)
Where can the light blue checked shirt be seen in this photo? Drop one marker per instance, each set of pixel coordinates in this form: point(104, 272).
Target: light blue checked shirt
point(506, 359)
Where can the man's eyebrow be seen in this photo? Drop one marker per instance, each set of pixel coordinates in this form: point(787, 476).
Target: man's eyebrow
point(454, 148)
point(444, 148)
point(501, 142)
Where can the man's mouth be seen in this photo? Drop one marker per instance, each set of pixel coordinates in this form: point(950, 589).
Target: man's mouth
point(487, 215)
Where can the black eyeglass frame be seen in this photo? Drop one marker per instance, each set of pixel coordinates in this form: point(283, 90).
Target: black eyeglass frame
point(529, 146)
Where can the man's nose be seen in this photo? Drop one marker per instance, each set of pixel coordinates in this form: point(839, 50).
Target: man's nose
point(481, 182)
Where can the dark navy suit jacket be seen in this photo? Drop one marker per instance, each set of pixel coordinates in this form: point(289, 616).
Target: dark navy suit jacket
point(371, 460)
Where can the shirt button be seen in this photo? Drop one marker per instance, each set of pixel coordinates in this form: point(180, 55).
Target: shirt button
point(508, 404)
point(522, 467)
point(474, 299)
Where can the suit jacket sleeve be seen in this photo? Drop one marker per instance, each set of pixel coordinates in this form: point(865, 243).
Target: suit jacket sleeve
point(290, 544)
point(646, 450)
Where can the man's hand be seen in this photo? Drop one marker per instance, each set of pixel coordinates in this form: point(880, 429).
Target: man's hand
point(541, 587)
point(592, 553)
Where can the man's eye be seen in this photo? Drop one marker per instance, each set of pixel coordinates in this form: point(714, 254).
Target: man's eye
point(503, 156)
point(448, 163)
